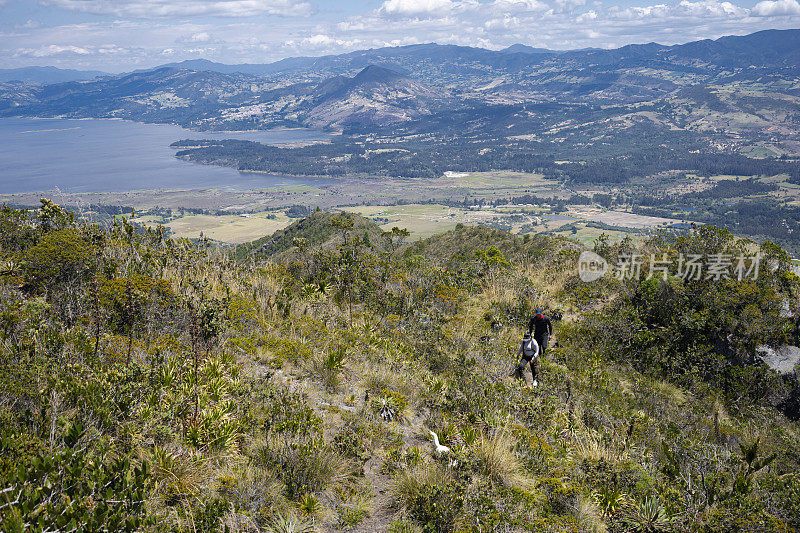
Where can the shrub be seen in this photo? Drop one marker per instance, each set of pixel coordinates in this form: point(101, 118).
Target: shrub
point(306, 466)
point(496, 459)
point(71, 489)
point(430, 495)
point(60, 256)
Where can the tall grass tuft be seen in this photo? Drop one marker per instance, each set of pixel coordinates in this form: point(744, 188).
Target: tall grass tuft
point(589, 516)
point(496, 458)
point(177, 476)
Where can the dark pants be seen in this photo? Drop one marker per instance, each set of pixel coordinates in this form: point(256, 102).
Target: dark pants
point(535, 368)
point(542, 341)
point(520, 371)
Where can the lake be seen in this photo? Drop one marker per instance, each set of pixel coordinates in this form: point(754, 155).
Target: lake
point(38, 155)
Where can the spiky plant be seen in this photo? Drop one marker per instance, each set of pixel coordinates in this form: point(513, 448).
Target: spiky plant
point(289, 524)
point(469, 434)
point(177, 477)
point(648, 516)
point(414, 456)
point(611, 500)
point(386, 408)
point(308, 505)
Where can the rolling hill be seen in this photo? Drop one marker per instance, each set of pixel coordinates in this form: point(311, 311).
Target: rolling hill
point(47, 75)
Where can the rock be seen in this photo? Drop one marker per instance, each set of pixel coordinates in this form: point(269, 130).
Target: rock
point(783, 359)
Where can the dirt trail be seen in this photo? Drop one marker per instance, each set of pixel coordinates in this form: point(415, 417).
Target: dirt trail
point(381, 513)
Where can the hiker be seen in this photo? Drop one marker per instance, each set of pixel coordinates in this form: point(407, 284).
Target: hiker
point(528, 353)
point(541, 328)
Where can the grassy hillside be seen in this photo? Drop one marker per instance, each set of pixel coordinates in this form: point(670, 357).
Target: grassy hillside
point(313, 230)
point(159, 385)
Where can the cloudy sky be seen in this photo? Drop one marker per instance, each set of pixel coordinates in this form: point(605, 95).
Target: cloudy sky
point(121, 35)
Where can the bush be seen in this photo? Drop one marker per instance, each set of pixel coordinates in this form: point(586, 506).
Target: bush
point(430, 496)
point(60, 256)
point(70, 489)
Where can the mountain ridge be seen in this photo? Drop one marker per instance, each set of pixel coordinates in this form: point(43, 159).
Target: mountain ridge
point(774, 41)
point(786, 40)
point(380, 88)
point(376, 95)
point(48, 75)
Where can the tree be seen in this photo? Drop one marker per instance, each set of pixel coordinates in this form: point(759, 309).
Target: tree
point(53, 217)
point(491, 260)
point(346, 262)
point(207, 321)
point(395, 238)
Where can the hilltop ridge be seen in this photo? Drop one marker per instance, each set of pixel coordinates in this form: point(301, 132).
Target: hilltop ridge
point(301, 391)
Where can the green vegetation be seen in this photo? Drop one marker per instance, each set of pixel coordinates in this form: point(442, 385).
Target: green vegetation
point(627, 162)
point(165, 385)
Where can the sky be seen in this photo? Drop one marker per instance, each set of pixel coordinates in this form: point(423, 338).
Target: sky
point(123, 35)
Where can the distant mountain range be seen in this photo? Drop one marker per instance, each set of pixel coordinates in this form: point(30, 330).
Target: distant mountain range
point(401, 85)
point(764, 49)
point(47, 75)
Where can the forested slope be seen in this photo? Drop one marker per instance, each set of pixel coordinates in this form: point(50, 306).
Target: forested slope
point(160, 385)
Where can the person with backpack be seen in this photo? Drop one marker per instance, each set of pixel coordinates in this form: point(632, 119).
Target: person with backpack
point(528, 353)
point(541, 328)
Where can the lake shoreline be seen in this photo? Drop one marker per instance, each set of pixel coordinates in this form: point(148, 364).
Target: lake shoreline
point(117, 119)
point(86, 155)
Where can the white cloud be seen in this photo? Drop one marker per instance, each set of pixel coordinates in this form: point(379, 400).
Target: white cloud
point(185, 8)
point(712, 8)
point(519, 5)
point(505, 23)
point(53, 50)
point(777, 8)
point(321, 41)
point(557, 24)
point(685, 12)
point(111, 49)
point(569, 5)
point(407, 8)
point(318, 40)
point(639, 12)
point(201, 37)
point(30, 24)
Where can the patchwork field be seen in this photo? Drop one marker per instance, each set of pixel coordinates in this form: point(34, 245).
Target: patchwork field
point(587, 235)
point(240, 216)
point(622, 219)
point(233, 229)
point(499, 179)
point(422, 220)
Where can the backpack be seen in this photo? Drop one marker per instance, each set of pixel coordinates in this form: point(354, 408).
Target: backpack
point(530, 348)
